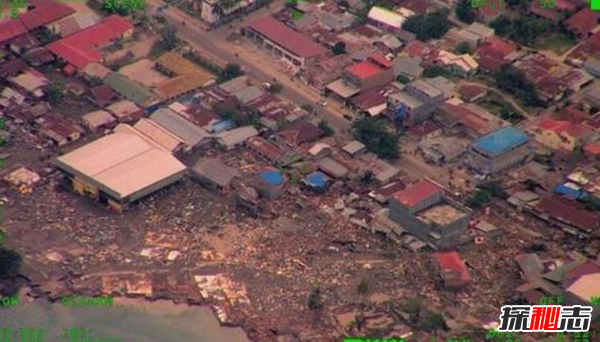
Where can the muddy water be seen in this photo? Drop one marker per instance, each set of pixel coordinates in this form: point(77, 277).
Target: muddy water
point(127, 321)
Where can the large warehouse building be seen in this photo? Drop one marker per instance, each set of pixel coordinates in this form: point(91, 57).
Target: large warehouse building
point(119, 169)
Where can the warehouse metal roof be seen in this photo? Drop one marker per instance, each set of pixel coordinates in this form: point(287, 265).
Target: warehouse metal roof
point(501, 141)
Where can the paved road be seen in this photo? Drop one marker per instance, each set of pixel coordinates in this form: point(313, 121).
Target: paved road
point(213, 44)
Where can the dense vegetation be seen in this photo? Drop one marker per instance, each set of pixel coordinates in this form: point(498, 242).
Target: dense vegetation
point(376, 137)
point(513, 81)
point(428, 26)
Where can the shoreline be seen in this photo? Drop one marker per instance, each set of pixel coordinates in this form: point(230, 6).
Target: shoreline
point(28, 295)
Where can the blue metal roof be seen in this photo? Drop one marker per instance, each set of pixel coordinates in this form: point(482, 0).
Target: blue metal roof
point(316, 179)
point(272, 177)
point(502, 140)
point(568, 191)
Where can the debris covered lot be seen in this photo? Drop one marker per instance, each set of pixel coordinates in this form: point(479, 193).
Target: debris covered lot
point(192, 245)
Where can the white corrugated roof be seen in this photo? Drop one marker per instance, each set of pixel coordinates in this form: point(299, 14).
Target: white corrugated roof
point(124, 163)
point(387, 17)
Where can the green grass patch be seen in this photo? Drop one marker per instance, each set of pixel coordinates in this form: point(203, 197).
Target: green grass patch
point(501, 109)
point(556, 42)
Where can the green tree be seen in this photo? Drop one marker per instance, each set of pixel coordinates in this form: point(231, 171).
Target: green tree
point(326, 128)
point(465, 11)
point(502, 26)
point(428, 26)
point(54, 93)
point(308, 107)
point(495, 189)
point(275, 88)
point(513, 81)
point(462, 48)
point(479, 198)
point(403, 79)
point(434, 71)
point(230, 71)
point(433, 322)
point(10, 263)
point(525, 30)
point(315, 302)
point(413, 307)
point(339, 48)
point(375, 136)
point(168, 37)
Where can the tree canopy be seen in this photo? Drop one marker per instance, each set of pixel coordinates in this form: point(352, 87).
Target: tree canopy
point(513, 81)
point(428, 26)
point(10, 263)
point(376, 137)
point(339, 48)
point(230, 71)
point(465, 12)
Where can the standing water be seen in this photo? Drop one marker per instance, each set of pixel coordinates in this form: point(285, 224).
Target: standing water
point(127, 320)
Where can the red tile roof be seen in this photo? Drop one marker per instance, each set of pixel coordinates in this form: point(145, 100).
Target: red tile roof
point(82, 47)
point(583, 22)
point(451, 265)
point(424, 128)
point(570, 212)
point(265, 148)
point(380, 60)
point(10, 29)
point(554, 12)
point(301, 132)
point(592, 149)
point(364, 69)
point(491, 9)
point(369, 99)
point(295, 42)
point(561, 126)
point(471, 92)
point(492, 52)
point(418, 193)
point(45, 13)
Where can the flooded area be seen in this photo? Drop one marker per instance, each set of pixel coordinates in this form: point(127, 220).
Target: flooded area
point(128, 320)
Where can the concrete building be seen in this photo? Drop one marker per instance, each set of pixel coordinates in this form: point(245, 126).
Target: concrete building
point(425, 211)
point(499, 151)
point(284, 42)
point(419, 100)
point(216, 12)
point(119, 169)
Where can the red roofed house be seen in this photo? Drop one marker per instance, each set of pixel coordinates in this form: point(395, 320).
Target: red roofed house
point(426, 212)
point(452, 270)
point(44, 13)
point(299, 133)
point(544, 10)
point(10, 29)
point(369, 74)
point(583, 23)
point(593, 151)
point(282, 41)
point(493, 53)
point(570, 215)
point(85, 46)
point(490, 9)
point(562, 135)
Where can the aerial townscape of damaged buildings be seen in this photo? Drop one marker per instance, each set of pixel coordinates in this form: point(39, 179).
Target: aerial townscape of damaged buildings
point(140, 133)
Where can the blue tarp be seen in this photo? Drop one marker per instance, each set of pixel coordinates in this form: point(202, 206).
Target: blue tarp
point(316, 180)
point(272, 177)
point(502, 140)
